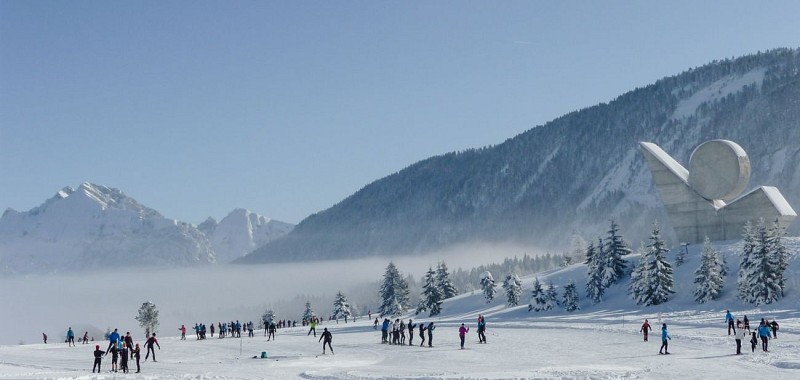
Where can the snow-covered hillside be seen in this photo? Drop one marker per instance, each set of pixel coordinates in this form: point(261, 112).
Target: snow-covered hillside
point(95, 226)
point(599, 341)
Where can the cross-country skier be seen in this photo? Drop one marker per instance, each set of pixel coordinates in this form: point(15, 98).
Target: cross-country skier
point(137, 353)
point(462, 334)
point(481, 329)
point(774, 326)
point(70, 337)
point(385, 331)
point(129, 340)
point(123, 355)
point(313, 327)
point(430, 329)
point(44, 338)
point(86, 337)
point(114, 357)
point(664, 338)
point(753, 342)
point(411, 332)
point(740, 335)
point(763, 332)
point(729, 319)
point(645, 329)
point(98, 358)
point(422, 334)
point(402, 332)
point(112, 340)
point(326, 335)
point(746, 323)
point(149, 346)
point(183, 332)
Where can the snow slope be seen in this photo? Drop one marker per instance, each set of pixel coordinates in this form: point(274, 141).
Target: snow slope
point(599, 341)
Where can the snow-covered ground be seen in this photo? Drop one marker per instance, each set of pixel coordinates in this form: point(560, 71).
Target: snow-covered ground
point(599, 341)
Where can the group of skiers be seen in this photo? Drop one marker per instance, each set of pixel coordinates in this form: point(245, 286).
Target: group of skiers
point(71, 337)
point(739, 328)
point(122, 349)
point(762, 332)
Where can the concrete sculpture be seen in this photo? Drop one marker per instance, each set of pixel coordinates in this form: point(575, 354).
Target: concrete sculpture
point(702, 201)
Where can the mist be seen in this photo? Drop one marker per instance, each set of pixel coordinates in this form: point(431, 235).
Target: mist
point(108, 299)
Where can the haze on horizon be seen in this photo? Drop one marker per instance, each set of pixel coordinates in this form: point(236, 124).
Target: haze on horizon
point(286, 108)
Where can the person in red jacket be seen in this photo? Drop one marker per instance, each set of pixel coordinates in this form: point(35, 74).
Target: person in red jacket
point(462, 333)
point(645, 329)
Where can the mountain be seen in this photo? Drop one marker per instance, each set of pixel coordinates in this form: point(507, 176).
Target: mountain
point(240, 232)
point(95, 226)
point(570, 175)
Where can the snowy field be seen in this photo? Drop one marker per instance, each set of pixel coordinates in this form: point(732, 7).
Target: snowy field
point(598, 342)
point(586, 345)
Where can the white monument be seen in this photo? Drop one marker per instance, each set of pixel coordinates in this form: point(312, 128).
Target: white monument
point(704, 200)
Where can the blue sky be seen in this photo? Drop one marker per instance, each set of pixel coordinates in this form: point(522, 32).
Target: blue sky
point(195, 108)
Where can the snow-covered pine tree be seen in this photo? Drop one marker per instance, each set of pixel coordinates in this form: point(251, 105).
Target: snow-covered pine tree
point(446, 287)
point(578, 251)
point(431, 297)
point(779, 253)
point(707, 276)
point(653, 282)
point(639, 274)
point(308, 313)
point(759, 271)
point(551, 297)
point(148, 317)
point(341, 308)
point(570, 299)
point(594, 278)
point(615, 251)
point(538, 300)
point(513, 287)
point(487, 285)
point(393, 292)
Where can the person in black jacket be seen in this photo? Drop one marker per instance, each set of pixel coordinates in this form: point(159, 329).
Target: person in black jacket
point(123, 358)
point(430, 334)
point(149, 346)
point(129, 342)
point(98, 358)
point(422, 334)
point(328, 337)
point(411, 332)
point(136, 353)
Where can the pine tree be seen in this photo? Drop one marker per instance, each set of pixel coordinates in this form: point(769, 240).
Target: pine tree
point(538, 299)
point(707, 276)
point(513, 287)
point(341, 308)
point(594, 279)
point(431, 298)
point(393, 292)
point(615, 251)
point(551, 297)
point(308, 313)
point(652, 283)
point(487, 285)
point(570, 299)
point(148, 317)
point(779, 253)
point(760, 274)
point(446, 287)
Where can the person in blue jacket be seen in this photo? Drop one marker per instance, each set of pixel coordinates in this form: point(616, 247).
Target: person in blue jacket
point(729, 320)
point(385, 331)
point(763, 332)
point(112, 340)
point(70, 337)
point(664, 338)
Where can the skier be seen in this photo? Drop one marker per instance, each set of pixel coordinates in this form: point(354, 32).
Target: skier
point(313, 327)
point(70, 337)
point(44, 338)
point(746, 323)
point(271, 331)
point(137, 353)
point(98, 358)
point(385, 331)
point(411, 332)
point(462, 333)
point(402, 332)
point(86, 337)
point(763, 332)
point(645, 329)
point(375, 325)
point(112, 340)
point(149, 346)
point(114, 357)
point(123, 364)
point(753, 342)
point(664, 338)
point(774, 326)
point(183, 332)
point(422, 334)
point(729, 319)
point(740, 335)
point(129, 340)
point(481, 329)
point(430, 329)
point(327, 336)
point(212, 329)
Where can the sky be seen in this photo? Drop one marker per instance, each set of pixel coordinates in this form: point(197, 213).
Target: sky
point(195, 108)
